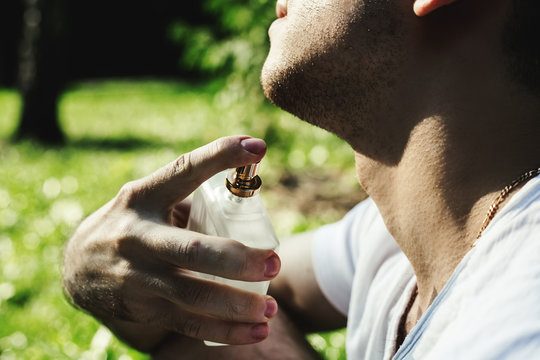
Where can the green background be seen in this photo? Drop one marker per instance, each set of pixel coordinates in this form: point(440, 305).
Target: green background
point(119, 131)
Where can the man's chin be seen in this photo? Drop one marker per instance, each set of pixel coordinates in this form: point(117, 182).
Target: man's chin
point(278, 83)
point(268, 80)
point(284, 89)
point(296, 90)
point(275, 88)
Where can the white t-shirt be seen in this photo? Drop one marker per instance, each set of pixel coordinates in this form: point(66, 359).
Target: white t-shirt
point(489, 308)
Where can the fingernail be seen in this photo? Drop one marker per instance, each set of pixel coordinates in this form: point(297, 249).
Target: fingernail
point(271, 308)
point(259, 331)
point(271, 266)
point(254, 146)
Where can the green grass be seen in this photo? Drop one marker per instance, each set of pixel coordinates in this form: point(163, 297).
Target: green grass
point(119, 131)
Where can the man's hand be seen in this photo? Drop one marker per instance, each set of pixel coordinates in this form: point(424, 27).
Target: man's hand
point(131, 265)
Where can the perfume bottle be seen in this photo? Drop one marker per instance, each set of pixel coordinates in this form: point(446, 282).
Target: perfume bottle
point(228, 205)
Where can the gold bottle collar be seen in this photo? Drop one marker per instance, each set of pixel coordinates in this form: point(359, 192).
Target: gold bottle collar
point(244, 181)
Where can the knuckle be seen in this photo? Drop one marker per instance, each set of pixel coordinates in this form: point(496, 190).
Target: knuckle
point(243, 264)
point(233, 311)
point(239, 310)
point(226, 259)
point(230, 334)
point(128, 193)
point(189, 327)
point(217, 146)
point(123, 235)
point(123, 243)
point(196, 295)
point(238, 260)
point(189, 250)
point(182, 165)
point(233, 260)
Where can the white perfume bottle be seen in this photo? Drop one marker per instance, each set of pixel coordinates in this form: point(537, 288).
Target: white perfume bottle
point(228, 205)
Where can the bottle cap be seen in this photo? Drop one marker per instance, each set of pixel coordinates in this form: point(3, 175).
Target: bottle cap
point(244, 181)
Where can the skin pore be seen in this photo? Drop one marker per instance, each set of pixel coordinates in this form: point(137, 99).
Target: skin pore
point(438, 125)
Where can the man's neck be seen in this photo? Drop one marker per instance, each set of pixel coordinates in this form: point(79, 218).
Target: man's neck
point(435, 199)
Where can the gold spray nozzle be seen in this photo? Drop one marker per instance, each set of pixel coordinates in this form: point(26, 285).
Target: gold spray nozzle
point(244, 181)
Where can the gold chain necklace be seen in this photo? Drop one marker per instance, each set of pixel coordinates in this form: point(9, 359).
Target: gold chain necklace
point(494, 207)
point(502, 196)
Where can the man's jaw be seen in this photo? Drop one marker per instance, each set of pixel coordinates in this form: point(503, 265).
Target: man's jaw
point(281, 8)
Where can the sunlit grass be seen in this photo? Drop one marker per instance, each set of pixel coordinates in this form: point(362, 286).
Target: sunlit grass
point(119, 131)
point(10, 107)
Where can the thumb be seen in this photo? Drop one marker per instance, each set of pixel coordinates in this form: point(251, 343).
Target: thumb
point(176, 180)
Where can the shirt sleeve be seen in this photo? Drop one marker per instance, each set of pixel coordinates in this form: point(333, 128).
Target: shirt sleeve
point(337, 248)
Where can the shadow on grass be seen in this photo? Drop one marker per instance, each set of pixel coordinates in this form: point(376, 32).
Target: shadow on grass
point(127, 144)
point(120, 144)
point(89, 144)
point(124, 143)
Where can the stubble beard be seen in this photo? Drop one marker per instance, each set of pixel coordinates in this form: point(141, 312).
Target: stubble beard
point(320, 99)
point(342, 88)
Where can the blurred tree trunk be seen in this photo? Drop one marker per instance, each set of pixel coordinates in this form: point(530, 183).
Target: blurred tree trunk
point(10, 32)
point(42, 67)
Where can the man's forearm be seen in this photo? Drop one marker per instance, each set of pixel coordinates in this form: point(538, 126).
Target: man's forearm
point(285, 342)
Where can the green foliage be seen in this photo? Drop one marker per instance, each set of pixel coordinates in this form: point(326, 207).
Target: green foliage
point(235, 40)
point(119, 131)
point(233, 45)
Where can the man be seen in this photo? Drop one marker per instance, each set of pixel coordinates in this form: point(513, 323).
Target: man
point(441, 105)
